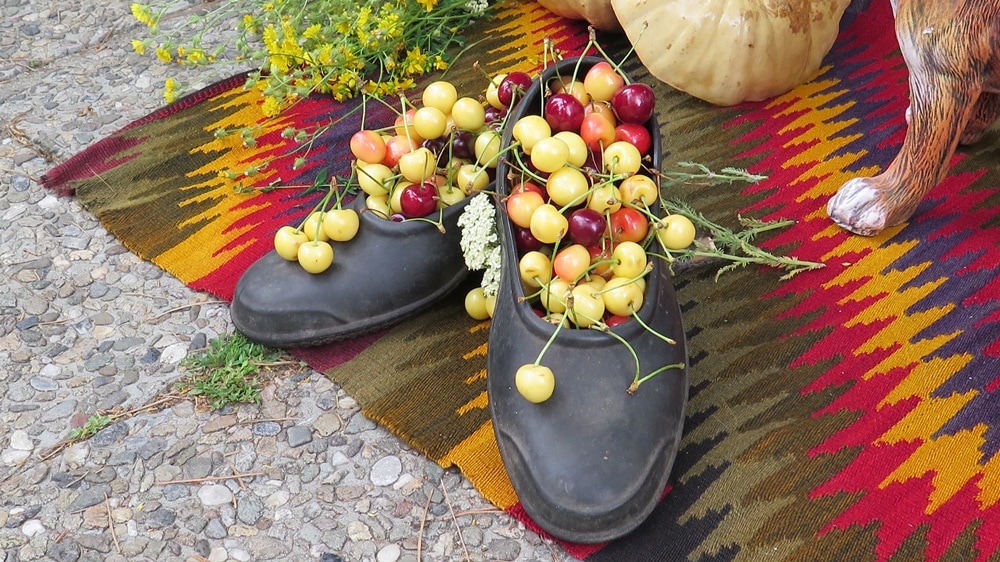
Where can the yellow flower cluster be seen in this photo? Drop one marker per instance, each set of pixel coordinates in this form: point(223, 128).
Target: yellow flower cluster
point(341, 48)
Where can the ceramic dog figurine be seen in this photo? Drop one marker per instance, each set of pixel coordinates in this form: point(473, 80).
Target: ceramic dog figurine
point(952, 51)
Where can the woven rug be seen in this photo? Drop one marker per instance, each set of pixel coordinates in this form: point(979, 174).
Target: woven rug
point(845, 414)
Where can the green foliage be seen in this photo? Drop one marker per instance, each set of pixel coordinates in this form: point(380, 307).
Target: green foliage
point(228, 371)
point(90, 428)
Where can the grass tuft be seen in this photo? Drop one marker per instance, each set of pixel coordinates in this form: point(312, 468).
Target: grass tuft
point(228, 371)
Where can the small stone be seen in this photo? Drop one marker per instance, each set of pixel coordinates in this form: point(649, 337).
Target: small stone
point(249, 509)
point(110, 435)
point(198, 342)
point(89, 497)
point(160, 518)
point(66, 550)
point(198, 467)
point(277, 499)
point(174, 492)
point(215, 494)
point(358, 531)
point(218, 554)
point(43, 384)
point(173, 354)
point(215, 529)
point(327, 424)
point(266, 429)
point(266, 548)
point(20, 440)
point(389, 553)
point(219, 423)
point(152, 355)
point(13, 457)
point(386, 471)
point(60, 411)
point(299, 435)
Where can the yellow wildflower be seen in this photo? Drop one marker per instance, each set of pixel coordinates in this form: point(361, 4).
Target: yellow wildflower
point(428, 4)
point(142, 13)
point(391, 25)
point(249, 23)
point(440, 63)
point(139, 46)
point(325, 56)
point(170, 90)
point(270, 107)
point(415, 63)
point(163, 54)
point(197, 56)
point(312, 32)
point(363, 17)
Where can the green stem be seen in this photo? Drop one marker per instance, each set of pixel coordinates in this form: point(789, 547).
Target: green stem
point(638, 381)
point(552, 338)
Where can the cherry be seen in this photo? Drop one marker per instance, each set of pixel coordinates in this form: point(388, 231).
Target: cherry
point(512, 88)
point(463, 145)
point(495, 115)
point(636, 135)
point(628, 225)
point(586, 226)
point(613, 320)
point(634, 103)
point(418, 199)
point(525, 240)
point(563, 113)
point(439, 147)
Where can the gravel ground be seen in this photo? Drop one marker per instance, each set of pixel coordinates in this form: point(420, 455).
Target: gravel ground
point(86, 326)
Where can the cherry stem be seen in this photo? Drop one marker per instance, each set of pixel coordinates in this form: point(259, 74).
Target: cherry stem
point(635, 314)
point(638, 381)
point(625, 342)
point(552, 338)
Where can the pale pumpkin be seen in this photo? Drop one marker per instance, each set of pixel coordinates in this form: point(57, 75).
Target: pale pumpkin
point(731, 51)
point(597, 13)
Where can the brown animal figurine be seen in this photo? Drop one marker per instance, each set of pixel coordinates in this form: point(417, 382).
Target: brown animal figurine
point(952, 50)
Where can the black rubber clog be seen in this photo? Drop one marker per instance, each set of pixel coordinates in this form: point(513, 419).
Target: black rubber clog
point(591, 462)
point(389, 271)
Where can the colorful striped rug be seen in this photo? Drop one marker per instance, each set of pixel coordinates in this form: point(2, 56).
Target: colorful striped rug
point(846, 414)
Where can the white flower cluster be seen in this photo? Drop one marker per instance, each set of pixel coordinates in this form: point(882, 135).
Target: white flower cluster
point(480, 243)
point(477, 6)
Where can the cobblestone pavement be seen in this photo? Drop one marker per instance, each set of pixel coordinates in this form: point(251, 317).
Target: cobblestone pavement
point(86, 326)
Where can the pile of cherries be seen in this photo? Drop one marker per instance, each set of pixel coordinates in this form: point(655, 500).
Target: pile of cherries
point(435, 154)
point(582, 195)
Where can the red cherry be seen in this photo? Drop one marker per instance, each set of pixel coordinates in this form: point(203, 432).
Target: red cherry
point(586, 226)
point(635, 134)
point(525, 240)
point(494, 115)
point(512, 88)
point(628, 224)
point(613, 320)
point(418, 200)
point(634, 103)
point(563, 112)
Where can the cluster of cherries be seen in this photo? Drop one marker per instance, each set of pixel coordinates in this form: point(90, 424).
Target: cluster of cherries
point(435, 154)
point(581, 198)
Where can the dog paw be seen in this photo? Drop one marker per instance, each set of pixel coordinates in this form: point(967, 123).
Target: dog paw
point(859, 207)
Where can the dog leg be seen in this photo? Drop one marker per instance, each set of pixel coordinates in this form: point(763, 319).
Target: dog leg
point(986, 113)
point(945, 88)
